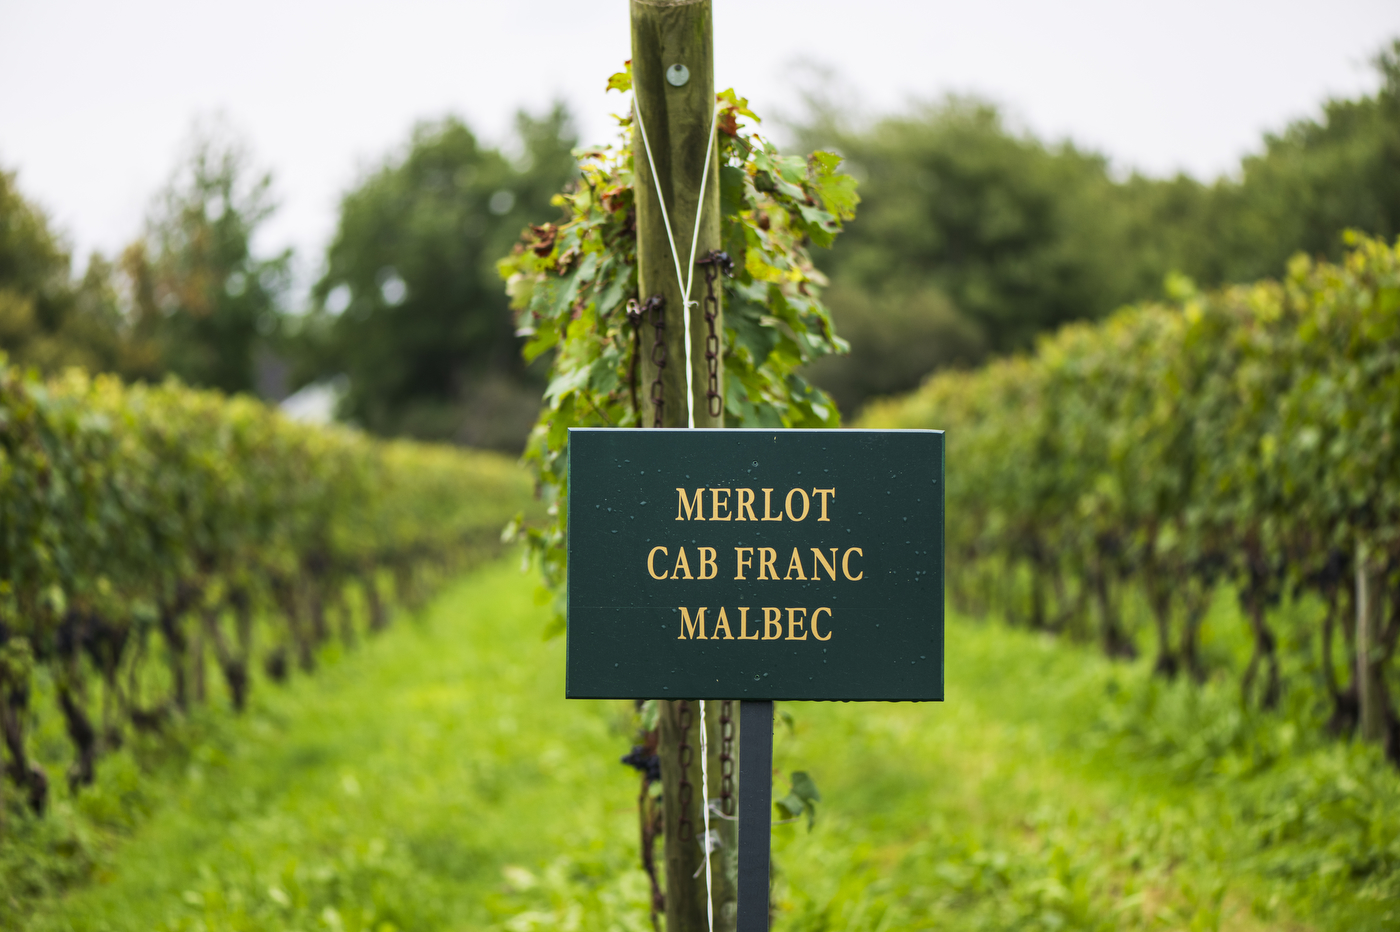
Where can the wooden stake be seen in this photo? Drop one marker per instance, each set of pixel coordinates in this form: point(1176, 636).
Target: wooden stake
point(674, 91)
point(1369, 683)
point(677, 111)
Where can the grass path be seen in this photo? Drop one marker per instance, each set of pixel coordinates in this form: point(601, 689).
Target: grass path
point(436, 779)
point(385, 792)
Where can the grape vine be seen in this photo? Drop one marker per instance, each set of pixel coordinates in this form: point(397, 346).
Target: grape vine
point(1249, 436)
point(570, 283)
point(146, 528)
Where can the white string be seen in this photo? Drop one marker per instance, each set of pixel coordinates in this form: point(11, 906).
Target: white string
point(705, 797)
point(682, 282)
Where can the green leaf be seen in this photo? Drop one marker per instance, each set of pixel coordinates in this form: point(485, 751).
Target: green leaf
point(621, 81)
point(803, 797)
point(614, 294)
point(836, 191)
point(804, 787)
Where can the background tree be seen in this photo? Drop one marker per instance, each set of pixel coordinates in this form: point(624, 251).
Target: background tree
point(973, 238)
point(1315, 180)
point(47, 318)
point(200, 290)
point(1005, 226)
point(410, 307)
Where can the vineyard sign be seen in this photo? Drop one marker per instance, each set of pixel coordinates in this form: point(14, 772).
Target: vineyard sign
point(755, 564)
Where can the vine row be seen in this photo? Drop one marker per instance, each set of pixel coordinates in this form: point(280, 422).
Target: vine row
point(1247, 437)
point(147, 529)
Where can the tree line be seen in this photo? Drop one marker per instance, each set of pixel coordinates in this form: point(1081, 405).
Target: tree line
point(407, 312)
point(974, 237)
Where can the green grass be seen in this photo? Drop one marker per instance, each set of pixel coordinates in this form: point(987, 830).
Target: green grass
point(436, 779)
point(386, 791)
point(1057, 790)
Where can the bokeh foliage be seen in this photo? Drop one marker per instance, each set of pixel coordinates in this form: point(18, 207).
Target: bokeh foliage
point(975, 235)
point(410, 308)
point(199, 289)
point(48, 318)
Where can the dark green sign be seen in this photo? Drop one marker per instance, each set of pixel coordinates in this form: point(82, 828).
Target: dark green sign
point(755, 564)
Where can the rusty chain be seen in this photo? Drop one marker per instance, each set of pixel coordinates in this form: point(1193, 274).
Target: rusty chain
point(650, 813)
point(726, 757)
point(715, 262)
point(656, 305)
point(685, 831)
point(634, 317)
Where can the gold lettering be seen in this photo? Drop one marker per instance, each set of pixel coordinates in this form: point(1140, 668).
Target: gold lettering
point(741, 561)
point(766, 556)
point(688, 627)
point(768, 507)
point(806, 504)
point(716, 503)
point(824, 493)
point(708, 561)
point(652, 556)
point(817, 558)
point(793, 623)
point(795, 564)
point(681, 564)
point(814, 624)
point(745, 504)
point(773, 622)
point(846, 563)
point(696, 508)
point(744, 625)
point(723, 622)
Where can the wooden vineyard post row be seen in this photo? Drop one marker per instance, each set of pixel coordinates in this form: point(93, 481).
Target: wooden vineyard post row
point(1369, 672)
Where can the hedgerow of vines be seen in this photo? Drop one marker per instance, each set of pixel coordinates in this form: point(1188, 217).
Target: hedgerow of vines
point(1248, 437)
point(570, 283)
point(144, 528)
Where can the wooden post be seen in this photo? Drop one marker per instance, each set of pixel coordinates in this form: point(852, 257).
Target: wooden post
point(1369, 684)
point(674, 96)
point(683, 851)
point(677, 111)
point(683, 821)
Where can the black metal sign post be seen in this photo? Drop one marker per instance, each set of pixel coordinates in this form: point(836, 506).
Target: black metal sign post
point(755, 812)
point(757, 565)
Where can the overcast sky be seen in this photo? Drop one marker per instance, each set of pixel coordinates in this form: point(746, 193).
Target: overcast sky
point(96, 97)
